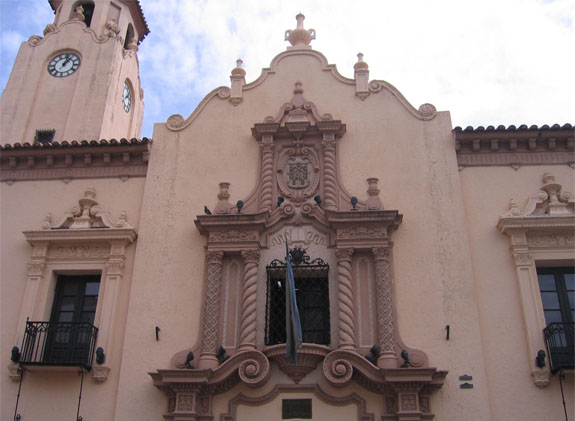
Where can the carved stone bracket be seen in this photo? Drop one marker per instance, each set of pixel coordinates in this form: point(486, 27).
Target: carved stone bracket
point(363, 229)
point(404, 388)
point(309, 356)
point(193, 389)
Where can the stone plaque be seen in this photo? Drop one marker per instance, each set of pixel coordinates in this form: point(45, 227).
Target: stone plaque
point(296, 408)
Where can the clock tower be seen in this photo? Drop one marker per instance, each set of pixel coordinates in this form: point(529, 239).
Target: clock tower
point(80, 81)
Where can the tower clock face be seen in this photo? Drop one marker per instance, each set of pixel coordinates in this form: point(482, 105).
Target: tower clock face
point(63, 64)
point(127, 97)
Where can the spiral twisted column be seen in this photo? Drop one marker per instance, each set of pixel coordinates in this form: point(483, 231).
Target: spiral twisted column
point(345, 295)
point(329, 171)
point(211, 310)
point(249, 299)
point(384, 304)
point(267, 172)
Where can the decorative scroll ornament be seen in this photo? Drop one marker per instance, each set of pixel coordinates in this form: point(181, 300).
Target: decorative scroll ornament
point(550, 200)
point(88, 214)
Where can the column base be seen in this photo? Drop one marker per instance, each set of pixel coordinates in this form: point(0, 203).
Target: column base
point(387, 360)
point(208, 360)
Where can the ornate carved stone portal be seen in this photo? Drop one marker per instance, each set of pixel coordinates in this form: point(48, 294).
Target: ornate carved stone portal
point(299, 197)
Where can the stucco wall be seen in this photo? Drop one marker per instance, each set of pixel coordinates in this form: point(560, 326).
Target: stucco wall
point(512, 392)
point(51, 395)
point(415, 162)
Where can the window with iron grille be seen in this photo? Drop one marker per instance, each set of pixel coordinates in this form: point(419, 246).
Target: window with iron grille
point(312, 294)
point(70, 336)
point(557, 288)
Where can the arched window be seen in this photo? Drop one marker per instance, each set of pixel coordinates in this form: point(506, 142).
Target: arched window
point(88, 11)
point(129, 35)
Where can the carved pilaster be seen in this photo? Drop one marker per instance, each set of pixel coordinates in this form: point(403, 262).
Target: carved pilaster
point(211, 310)
point(345, 295)
point(329, 171)
point(36, 269)
point(383, 281)
point(267, 172)
point(249, 299)
point(115, 268)
point(522, 258)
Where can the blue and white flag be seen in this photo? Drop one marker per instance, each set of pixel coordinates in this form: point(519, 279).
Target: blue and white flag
point(293, 323)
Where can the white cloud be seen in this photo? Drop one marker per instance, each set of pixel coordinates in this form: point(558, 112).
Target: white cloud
point(490, 62)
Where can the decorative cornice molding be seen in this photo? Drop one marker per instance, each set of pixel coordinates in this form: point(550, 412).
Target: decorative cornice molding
point(73, 161)
point(515, 147)
point(107, 234)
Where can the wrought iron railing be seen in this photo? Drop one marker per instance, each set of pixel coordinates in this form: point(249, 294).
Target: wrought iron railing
point(59, 344)
point(560, 345)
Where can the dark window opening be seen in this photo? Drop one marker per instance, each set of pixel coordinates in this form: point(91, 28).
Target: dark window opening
point(69, 338)
point(88, 11)
point(129, 36)
point(557, 288)
point(312, 293)
point(44, 135)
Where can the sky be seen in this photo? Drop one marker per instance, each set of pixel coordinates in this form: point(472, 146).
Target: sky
point(488, 62)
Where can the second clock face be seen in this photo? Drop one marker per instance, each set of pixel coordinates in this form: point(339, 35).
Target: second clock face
point(127, 97)
point(63, 64)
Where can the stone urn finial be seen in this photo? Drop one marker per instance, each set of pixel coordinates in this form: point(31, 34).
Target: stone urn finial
point(373, 201)
point(360, 63)
point(223, 206)
point(300, 37)
point(239, 70)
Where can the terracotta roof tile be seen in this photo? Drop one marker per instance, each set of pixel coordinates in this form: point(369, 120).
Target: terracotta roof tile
point(502, 128)
point(75, 144)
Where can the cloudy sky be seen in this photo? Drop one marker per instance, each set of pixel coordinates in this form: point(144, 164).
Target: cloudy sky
point(488, 62)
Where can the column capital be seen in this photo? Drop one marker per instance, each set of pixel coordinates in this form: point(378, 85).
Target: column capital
point(214, 256)
point(381, 253)
point(251, 255)
point(344, 254)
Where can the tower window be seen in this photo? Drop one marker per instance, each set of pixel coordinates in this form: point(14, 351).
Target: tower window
point(129, 36)
point(88, 11)
point(44, 135)
point(312, 293)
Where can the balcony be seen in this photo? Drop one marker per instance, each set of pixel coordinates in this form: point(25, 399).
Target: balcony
point(560, 345)
point(59, 344)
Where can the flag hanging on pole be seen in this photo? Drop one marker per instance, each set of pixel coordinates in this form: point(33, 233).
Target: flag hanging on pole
point(293, 323)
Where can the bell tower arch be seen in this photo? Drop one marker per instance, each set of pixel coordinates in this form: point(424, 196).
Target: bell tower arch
point(80, 81)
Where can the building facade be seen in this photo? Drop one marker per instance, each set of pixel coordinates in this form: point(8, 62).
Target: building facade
point(146, 279)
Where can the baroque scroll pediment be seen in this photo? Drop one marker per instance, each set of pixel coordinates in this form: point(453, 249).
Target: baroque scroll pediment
point(550, 200)
point(298, 110)
point(87, 214)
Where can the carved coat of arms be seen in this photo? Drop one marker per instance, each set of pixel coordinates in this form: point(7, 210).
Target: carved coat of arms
point(298, 173)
